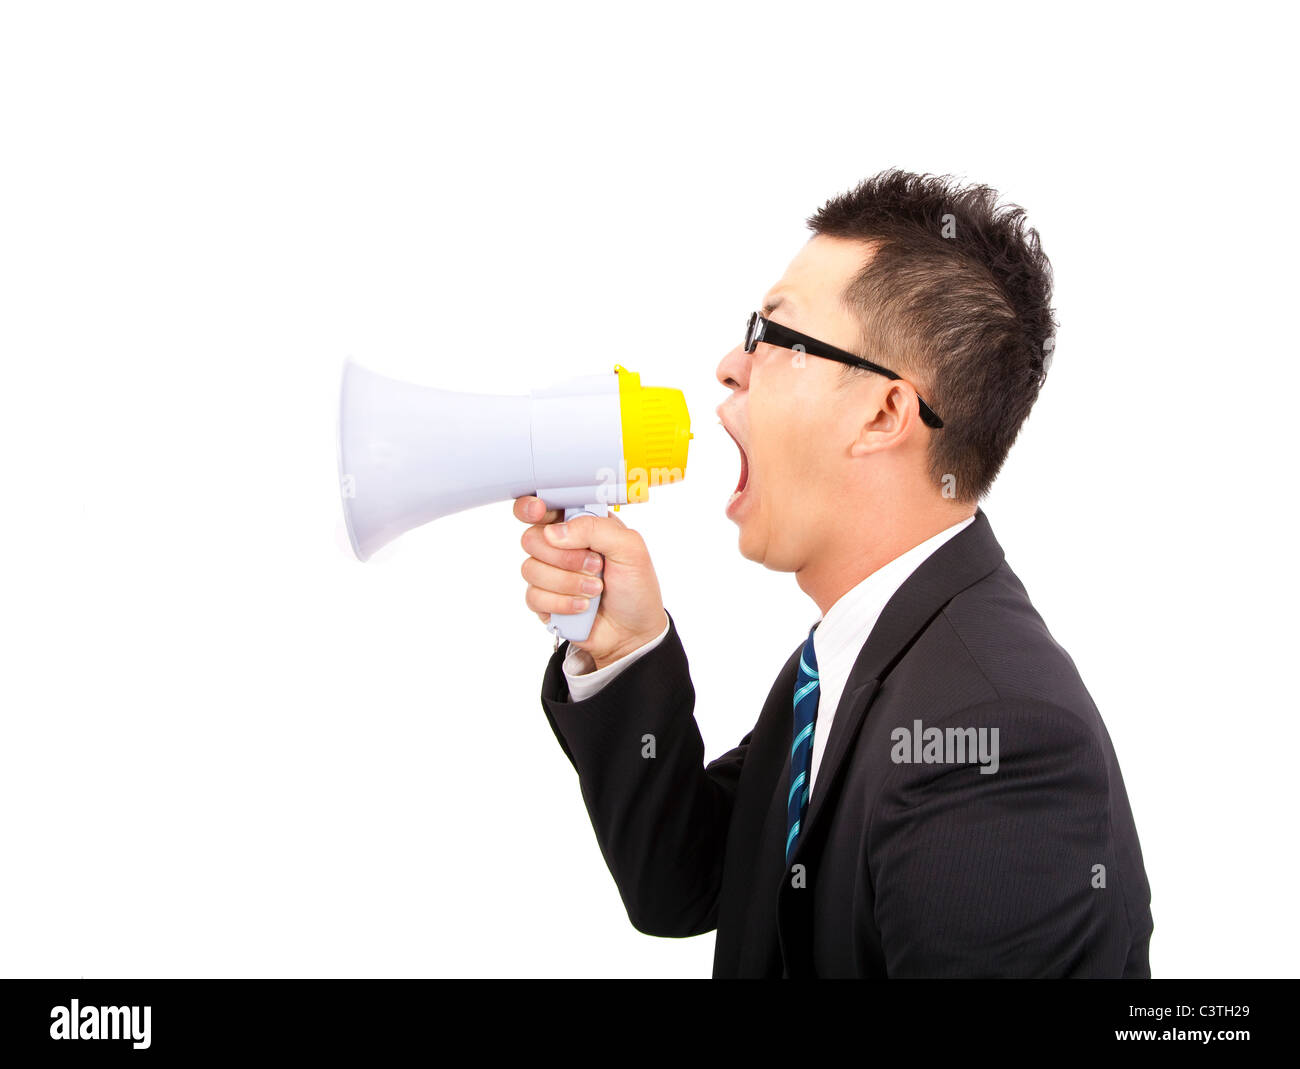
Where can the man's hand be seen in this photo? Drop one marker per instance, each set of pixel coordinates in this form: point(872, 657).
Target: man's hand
point(564, 568)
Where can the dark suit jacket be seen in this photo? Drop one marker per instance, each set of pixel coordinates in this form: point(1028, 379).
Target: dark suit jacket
point(908, 869)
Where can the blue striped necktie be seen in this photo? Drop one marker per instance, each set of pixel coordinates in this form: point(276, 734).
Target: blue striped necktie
point(805, 719)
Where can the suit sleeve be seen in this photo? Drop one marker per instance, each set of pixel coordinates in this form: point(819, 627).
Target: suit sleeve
point(660, 815)
point(994, 874)
point(584, 679)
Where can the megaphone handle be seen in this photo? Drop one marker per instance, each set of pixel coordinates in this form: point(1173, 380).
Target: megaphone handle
point(576, 626)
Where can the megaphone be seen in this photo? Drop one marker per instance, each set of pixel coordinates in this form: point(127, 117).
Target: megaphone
point(410, 454)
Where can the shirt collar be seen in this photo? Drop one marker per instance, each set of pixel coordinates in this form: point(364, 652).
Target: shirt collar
point(848, 623)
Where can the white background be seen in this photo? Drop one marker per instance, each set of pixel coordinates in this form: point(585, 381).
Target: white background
point(229, 749)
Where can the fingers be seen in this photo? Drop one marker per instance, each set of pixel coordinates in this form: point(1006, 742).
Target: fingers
point(557, 568)
point(577, 559)
point(556, 589)
point(533, 510)
point(540, 601)
point(558, 581)
point(607, 535)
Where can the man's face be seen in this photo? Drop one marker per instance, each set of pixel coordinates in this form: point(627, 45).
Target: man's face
point(793, 422)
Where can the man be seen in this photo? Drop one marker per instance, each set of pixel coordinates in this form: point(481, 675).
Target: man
point(929, 789)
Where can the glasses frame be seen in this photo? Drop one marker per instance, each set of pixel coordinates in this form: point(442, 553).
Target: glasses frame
point(762, 329)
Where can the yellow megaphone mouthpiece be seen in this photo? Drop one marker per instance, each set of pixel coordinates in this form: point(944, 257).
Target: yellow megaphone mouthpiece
point(656, 430)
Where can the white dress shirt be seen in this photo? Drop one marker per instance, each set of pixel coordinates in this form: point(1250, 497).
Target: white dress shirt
point(838, 640)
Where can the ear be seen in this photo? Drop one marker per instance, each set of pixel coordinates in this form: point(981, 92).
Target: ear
point(893, 414)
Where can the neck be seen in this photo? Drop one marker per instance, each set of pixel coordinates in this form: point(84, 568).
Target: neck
point(843, 562)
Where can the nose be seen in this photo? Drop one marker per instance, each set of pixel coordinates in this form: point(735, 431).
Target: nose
point(733, 371)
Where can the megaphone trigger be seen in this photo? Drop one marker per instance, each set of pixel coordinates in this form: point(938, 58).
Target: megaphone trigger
point(576, 626)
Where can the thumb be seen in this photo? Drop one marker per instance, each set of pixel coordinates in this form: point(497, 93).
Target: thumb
point(604, 534)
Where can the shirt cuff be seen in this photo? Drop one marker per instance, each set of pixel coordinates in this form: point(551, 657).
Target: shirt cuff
point(585, 679)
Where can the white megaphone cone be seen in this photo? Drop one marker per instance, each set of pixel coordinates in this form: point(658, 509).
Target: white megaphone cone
point(409, 454)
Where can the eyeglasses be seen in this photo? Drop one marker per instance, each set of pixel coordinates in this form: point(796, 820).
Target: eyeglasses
point(761, 329)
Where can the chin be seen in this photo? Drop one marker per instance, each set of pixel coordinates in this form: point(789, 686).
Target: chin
point(759, 549)
point(746, 542)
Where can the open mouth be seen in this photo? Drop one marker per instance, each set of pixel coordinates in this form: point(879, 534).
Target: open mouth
point(743, 481)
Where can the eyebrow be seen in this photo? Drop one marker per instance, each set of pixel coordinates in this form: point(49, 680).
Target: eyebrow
point(772, 306)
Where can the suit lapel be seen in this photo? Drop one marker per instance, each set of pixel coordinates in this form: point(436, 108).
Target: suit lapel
point(844, 730)
point(959, 563)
